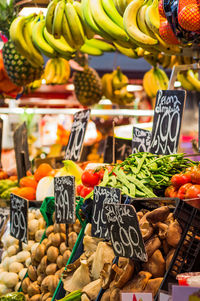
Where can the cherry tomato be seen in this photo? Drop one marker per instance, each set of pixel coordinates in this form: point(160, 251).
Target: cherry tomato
point(182, 190)
point(78, 189)
point(171, 192)
point(180, 179)
point(193, 192)
point(85, 191)
point(90, 178)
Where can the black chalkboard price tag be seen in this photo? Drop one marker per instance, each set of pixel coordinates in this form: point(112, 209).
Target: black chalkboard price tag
point(124, 231)
point(19, 218)
point(76, 138)
point(141, 140)
point(123, 149)
point(4, 214)
point(102, 195)
point(167, 121)
point(64, 191)
point(21, 150)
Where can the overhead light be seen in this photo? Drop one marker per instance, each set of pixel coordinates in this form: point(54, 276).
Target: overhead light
point(133, 88)
point(177, 84)
point(26, 11)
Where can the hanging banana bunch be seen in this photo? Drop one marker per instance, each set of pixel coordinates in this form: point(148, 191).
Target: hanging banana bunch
point(154, 80)
point(57, 71)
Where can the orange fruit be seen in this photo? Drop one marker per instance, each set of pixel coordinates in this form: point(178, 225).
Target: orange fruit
point(13, 178)
point(28, 193)
point(28, 182)
point(189, 17)
point(42, 171)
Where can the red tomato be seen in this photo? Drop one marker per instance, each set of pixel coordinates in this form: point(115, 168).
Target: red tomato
point(78, 189)
point(180, 179)
point(101, 173)
point(193, 192)
point(182, 190)
point(171, 192)
point(90, 178)
point(85, 191)
point(195, 176)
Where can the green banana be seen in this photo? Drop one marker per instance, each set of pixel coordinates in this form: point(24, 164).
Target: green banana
point(131, 27)
point(67, 32)
point(50, 15)
point(75, 25)
point(60, 45)
point(17, 36)
point(112, 12)
point(39, 40)
point(86, 48)
point(105, 23)
point(57, 19)
point(87, 30)
point(36, 56)
point(127, 51)
point(100, 44)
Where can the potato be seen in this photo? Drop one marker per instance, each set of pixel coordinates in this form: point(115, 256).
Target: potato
point(42, 223)
point(27, 247)
point(66, 256)
point(51, 269)
point(63, 248)
point(72, 237)
point(52, 254)
point(11, 280)
point(22, 256)
point(56, 228)
point(12, 250)
point(31, 216)
point(4, 255)
point(56, 240)
point(15, 267)
point(28, 262)
point(33, 226)
point(49, 230)
point(32, 273)
point(38, 235)
point(12, 259)
point(33, 289)
point(44, 263)
point(22, 273)
point(38, 214)
point(35, 298)
point(40, 278)
point(25, 284)
point(34, 247)
point(39, 253)
point(59, 261)
point(5, 263)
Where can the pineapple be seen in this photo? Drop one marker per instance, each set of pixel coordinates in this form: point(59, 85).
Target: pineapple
point(20, 71)
point(87, 84)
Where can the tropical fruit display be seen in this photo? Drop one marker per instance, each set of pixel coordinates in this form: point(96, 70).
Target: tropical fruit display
point(189, 80)
point(114, 87)
point(57, 71)
point(19, 69)
point(87, 86)
point(154, 80)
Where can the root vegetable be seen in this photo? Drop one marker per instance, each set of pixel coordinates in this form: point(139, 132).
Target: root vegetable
point(39, 253)
point(39, 234)
point(11, 280)
point(32, 273)
point(5, 263)
point(49, 230)
point(33, 226)
point(40, 278)
point(59, 261)
point(43, 264)
point(44, 242)
point(15, 267)
point(56, 228)
point(27, 247)
point(52, 254)
point(12, 250)
point(3, 275)
point(33, 289)
point(22, 273)
point(4, 255)
point(62, 237)
point(56, 240)
point(66, 256)
point(63, 248)
point(42, 223)
point(25, 285)
point(72, 237)
point(63, 228)
point(22, 256)
point(51, 269)
point(45, 296)
point(34, 247)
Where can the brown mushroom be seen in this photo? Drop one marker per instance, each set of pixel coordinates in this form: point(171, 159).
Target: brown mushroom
point(145, 228)
point(158, 215)
point(155, 264)
point(107, 275)
point(92, 289)
point(115, 294)
point(169, 258)
point(153, 285)
point(174, 234)
point(106, 296)
point(166, 247)
point(138, 283)
point(162, 229)
point(124, 272)
point(152, 245)
point(139, 215)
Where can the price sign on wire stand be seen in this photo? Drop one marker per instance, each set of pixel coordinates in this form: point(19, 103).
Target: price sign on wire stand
point(21, 150)
point(125, 232)
point(64, 191)
point(123, 149)
point(19, 218)
point(4, 214)
point(76, 138)
point(141, 141)
point(167, 121)
point(102, 195)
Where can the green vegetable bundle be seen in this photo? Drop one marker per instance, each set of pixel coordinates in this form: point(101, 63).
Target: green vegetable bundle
point(13, 297)
point(6, 184)
point(145, 174)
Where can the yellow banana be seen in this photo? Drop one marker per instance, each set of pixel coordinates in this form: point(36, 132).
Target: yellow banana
point(50, 14)
point(58, 19)
point(192, 79)
point(184, 82)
